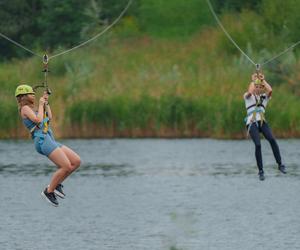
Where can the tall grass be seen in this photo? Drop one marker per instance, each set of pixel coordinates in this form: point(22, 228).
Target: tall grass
point(8, 118)
point(208, 116)
point(143, 86)
point(172, 18)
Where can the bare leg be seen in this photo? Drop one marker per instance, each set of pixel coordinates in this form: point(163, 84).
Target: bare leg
point(59, 158)
point(73, 158)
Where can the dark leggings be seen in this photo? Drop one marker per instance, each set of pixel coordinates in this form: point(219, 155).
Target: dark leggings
point(255, 129)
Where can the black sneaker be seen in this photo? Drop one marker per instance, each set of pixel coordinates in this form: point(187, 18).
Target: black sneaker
point(50, 197)
point(261, 175)
point(282, 169)
point(59, 191)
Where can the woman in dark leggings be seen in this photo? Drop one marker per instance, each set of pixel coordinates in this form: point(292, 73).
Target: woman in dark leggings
point(256, 99)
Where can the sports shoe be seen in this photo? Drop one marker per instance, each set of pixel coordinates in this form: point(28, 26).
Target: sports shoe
point(261, 175)
point(59, 191)
point(50, 197)
point(282, 169)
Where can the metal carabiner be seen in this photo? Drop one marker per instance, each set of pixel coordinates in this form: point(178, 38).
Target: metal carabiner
point(46, 71)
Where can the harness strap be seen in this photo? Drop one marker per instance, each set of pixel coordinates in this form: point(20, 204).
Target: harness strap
point(40, 130)
point(41, 135)
point(45, 123)
point(32, 129)
point(254, 105)
point(258, 109)
point(253, 113)
point(254, 121)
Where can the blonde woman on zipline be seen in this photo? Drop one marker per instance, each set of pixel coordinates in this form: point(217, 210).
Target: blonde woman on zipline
point(37, 121)
point(256, 98)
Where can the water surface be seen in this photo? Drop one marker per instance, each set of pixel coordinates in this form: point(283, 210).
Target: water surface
point(152, 194)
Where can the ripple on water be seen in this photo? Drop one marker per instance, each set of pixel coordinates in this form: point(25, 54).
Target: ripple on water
point(126, 170)
point(104, 170)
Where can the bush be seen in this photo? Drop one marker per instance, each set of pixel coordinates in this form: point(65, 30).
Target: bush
point(8, 116)
point(282, 17)
point(217, 116)
point(173, 18)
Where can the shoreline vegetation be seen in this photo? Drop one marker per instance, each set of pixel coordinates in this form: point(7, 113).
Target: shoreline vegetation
point(140, 85)
point(166, 117)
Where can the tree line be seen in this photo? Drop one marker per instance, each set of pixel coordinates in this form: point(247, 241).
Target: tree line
point(52, 24)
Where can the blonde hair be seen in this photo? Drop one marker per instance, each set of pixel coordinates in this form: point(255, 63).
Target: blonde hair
point(23, 100)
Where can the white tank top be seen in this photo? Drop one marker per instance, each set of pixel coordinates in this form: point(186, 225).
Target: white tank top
point(258, 102)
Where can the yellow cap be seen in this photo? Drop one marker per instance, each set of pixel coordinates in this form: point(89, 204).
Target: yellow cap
point(24, 90)
point(257, 81)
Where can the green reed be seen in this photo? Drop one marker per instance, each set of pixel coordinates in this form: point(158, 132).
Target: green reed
point(192, 86)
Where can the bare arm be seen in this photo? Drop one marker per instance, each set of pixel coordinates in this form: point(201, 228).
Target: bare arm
point(250, 90)
point(268, 88)
point(27, 112)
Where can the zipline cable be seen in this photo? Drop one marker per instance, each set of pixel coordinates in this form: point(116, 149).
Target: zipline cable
point(280, 54)
point(257, 65)
point(20, 45)
point(121, 15)
point(226, 33)
point(46, 58)
point(96, 36)
point(77, 46)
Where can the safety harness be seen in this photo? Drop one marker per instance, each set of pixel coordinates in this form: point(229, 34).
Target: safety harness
point(259, 109)
point(41, 130)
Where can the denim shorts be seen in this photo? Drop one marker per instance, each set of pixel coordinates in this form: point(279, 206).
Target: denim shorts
point(45, 145)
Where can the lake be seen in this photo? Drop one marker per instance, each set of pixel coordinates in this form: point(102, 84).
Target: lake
point(152, 194)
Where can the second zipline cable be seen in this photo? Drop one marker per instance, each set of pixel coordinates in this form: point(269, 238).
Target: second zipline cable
point(237, 46)
point(77, 46)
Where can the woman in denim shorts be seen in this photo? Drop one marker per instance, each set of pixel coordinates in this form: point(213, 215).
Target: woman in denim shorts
point(37, 121)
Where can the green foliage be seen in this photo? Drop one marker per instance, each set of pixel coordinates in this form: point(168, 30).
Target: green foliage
point(190, 86)
point(253, 35)
point(236, 5)
point(282, 17)
point(8, 117)
point(58, 24)
point(211, 115)
point(112, 8)
point(250, 33)
point(173, 18)
point(61, 22)
point(284, 113)
point(128, 27)
point(18, 20)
